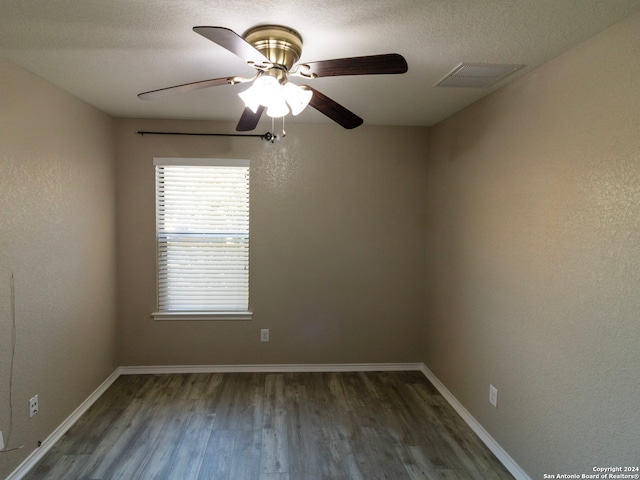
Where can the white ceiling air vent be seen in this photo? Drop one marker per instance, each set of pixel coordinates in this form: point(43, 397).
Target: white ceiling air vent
point(477, 75)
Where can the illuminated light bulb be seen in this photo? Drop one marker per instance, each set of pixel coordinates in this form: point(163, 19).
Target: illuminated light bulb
point(261, 92)
point(277, 106)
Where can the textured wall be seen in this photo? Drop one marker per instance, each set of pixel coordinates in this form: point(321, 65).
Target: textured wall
point(337, 246)
point(57, 214)
point(534, 258)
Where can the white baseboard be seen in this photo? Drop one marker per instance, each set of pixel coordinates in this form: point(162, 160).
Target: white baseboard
point(50, 441)
point(495, 448)
point(334, 367)
point(487, 439)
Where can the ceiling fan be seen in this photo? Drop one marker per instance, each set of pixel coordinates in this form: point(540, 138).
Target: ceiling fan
point(273, 50)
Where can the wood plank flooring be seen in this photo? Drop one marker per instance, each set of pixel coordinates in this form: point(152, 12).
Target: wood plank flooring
point(270, 426)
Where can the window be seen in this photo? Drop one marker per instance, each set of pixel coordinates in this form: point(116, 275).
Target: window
point(202, 238)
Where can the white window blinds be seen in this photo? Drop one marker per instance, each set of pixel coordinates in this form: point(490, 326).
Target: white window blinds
point(202, 235)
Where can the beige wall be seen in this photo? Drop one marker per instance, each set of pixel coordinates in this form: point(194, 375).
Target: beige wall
point(57, 218)
point(534, 258)
point(337, 246)
point(530, 213)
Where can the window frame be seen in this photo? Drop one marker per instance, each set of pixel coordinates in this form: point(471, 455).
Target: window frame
point(163, 315)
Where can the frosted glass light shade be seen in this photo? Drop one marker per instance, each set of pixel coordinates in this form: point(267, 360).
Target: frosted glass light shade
point(297, 97)
point(277, 109)
point(264, 88)
point(275, 103)
point(267, 91)
point(251, 98)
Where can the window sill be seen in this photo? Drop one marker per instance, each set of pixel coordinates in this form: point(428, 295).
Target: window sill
point(215, 316)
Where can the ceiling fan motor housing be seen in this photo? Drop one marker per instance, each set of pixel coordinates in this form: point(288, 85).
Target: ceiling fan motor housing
point(281, 45)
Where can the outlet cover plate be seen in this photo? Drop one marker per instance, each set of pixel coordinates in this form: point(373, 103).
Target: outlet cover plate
point(264, 335)
point(33, 405)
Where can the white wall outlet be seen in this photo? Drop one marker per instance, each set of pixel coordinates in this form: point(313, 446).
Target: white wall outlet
point(1, 442)
point(264, 335)
point(493, 395)
point(33, 405)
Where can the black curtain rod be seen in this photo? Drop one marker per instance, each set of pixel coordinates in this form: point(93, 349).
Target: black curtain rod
point(265, 136)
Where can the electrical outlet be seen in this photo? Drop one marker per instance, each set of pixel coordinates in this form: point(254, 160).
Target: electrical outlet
point(33, 405)
point(1, 442)
point(493, 395)
point(264, 335)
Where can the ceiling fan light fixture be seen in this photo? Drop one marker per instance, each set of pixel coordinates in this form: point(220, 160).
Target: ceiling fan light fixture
point(297, 97)
point(277, 108)
point(264, 89)
point(250, 98)
point(275, 102)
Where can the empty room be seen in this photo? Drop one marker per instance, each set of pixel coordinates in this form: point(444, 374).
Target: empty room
point(301, 240)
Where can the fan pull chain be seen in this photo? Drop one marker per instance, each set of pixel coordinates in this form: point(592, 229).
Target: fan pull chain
point(273, 137)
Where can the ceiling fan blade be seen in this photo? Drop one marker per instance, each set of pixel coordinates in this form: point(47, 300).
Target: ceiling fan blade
point(334, 110)
point(233, 42)
point(186, 87)
point(249, 120)
point(388, 63)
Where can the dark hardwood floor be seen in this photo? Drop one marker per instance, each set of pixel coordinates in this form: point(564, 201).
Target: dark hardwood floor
point(270, 426)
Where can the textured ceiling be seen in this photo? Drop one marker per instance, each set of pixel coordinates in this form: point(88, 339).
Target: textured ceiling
point(107, 51)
